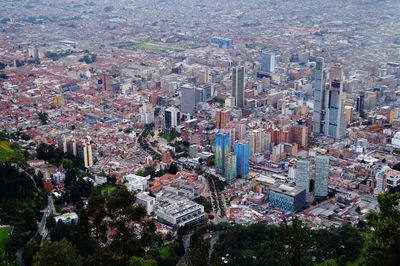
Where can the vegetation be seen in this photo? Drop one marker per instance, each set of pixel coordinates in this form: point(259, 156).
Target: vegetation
point(88, 59)
point(43, 117)
point(144, 143)
point(9, 153)
point(57, 55)
point(57, 254)
point(56, 156)
point(205, 202)
point(383, 241)
point(5, 233)
point(20, 206)
point(168, 136)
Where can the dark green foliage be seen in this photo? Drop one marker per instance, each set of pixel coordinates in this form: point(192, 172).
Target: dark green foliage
point(205, 202)
point(43, 117)
point(199, 254)
point(173, 169)
point(288, 244)
point(57, 55)
point(88, 59)
point(57, 254)
point(383, 242)
point(15, 184)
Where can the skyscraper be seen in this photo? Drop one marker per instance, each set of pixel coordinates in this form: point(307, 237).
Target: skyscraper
point(268, 62)
point(172, 117)
point(190, 97)
point(222, 149)
point(230, 172)
point(321, 176)
point(303, 174)
point(335, 125)
point(242, 152)
point(319, 107)
point(238, 86)
point(222, 117)
point(360, 105)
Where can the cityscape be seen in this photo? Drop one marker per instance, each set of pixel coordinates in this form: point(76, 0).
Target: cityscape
point(182, 132)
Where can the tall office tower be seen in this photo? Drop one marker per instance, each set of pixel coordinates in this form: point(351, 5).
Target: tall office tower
point(203, 76)
point(319, 107)
point(238, 86)
point(222, 149)
point(303, 174)
point(242, 152)
point(259, 141)
point(172, 117)
point(335, 124)
point(321, 176)
point(230, 167)
point(190, 97)
point(268, 62)
point(300, 135)
point(72, 147)
point(222, 117)
point(88, 159)
point(360, 105)
point(348, 114)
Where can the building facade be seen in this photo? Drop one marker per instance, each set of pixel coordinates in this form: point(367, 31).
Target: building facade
point(222, 150)
point(242, 152)
point(321, 176)
point(238, 86)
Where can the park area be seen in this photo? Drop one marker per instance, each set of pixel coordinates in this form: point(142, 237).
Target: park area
point(5, 233)
point(9, 153)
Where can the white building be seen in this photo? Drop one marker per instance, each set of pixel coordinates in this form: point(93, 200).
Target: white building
point(67, 218)
point(396, 140)
point(146, 201)
point(177, 210)
point(135, 183)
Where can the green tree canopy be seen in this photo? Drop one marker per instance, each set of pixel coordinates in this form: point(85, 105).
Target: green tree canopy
point(60, 253)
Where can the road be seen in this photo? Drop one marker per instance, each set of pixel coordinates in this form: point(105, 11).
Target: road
point(49, 210)
point(42, 231)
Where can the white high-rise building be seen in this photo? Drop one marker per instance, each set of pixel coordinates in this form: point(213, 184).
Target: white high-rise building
point(268, 62)
point(303, 174)
point(321, 176)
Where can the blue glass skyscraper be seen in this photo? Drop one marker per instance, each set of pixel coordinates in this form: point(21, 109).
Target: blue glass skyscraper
point(222, 149)
point(242, 152)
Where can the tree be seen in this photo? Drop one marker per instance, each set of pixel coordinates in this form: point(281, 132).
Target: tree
point(173, 169)
point(67, 163)
point(199, 255)
point(57, 254)
point(30, 250)
point(117, 212)
point(137, 261)
point(43, 117)
point(383, 242)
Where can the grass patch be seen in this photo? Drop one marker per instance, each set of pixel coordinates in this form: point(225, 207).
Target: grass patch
point(9, 153)
point(163, 251)
point(107, 189)
point(167, 136)
point(5, 233)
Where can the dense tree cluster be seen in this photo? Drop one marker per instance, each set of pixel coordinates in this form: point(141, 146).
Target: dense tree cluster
point(111, 230)
point(15, 183)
